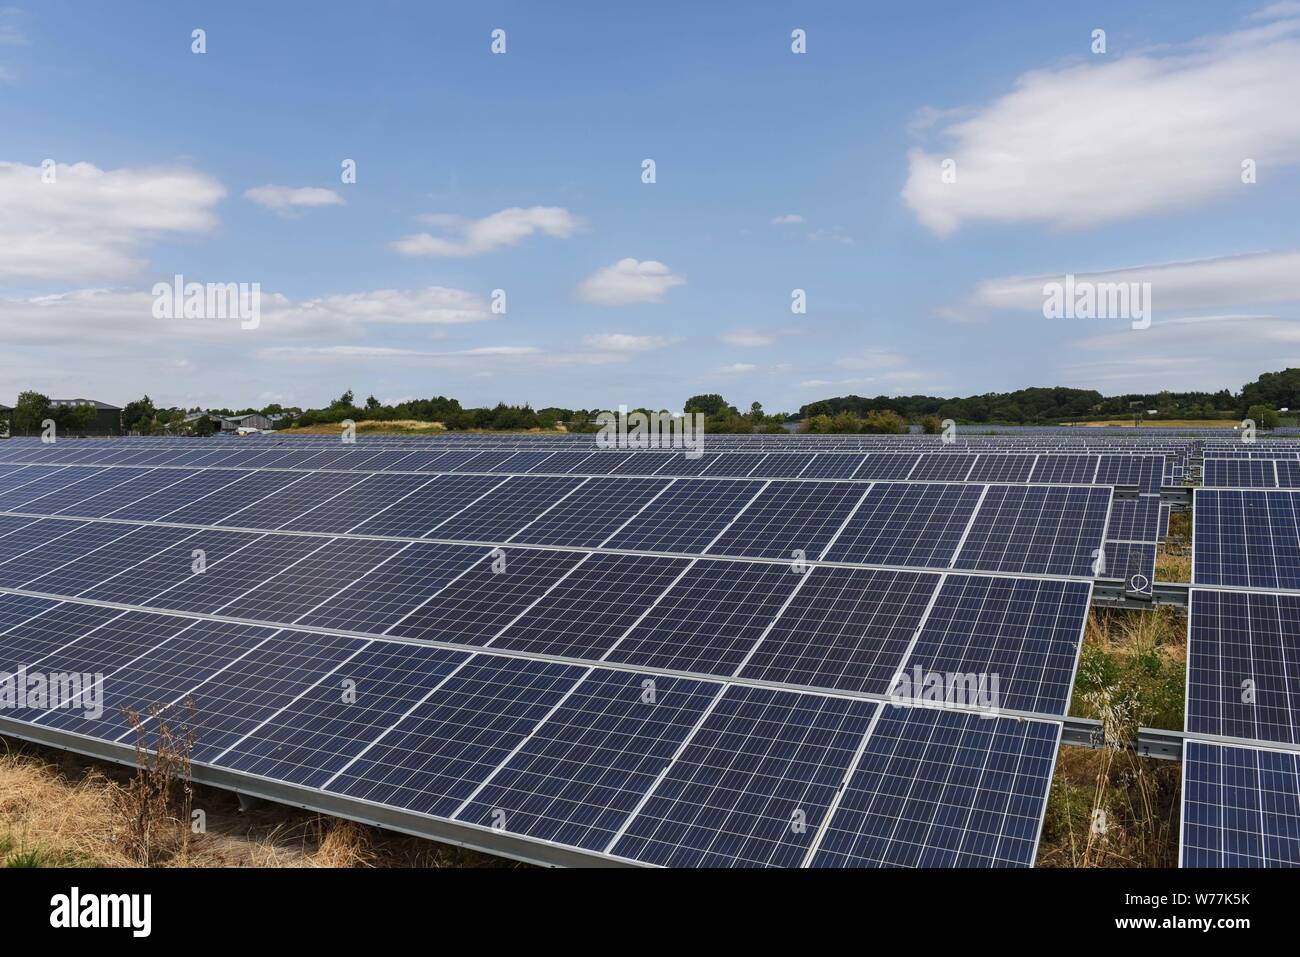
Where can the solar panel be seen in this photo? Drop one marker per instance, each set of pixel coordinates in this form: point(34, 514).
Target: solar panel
point(788, 520)
point(708, 621)
point(938, 788)
point(910, 525)
point(1246, 538)
point(1037, 530)
point(581, 773)
point(1243, 680)
point(1240, 806)
point(846, 628)
point(1235, 473)
point(1002, 643)
point(753, 784)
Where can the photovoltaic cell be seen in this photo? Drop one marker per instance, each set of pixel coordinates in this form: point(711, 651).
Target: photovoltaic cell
point(1037, 530)
point(846, 628)
point(1246, 538)
point(474, 608)
point(1002, 468)
point(708, 621)
point(904, 524)
point(503, 511)
point(761, 761)
point(313, 738)
point(941, 788)
point(1019, 636)
point(790, 517)
point(393, 589)
point(592, 513)
point(686, 517)
point(593, 607)
point(379, 505)
point(1240, 806)
point(1238, 473)
point(1244, 666)
point(583, 771)
point(433, 758)
point(1064, 469)
point(942, 467)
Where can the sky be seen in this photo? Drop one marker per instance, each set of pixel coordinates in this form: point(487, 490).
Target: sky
point(920, 172)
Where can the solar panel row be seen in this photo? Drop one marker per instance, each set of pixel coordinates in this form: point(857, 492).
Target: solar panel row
point(648, 768)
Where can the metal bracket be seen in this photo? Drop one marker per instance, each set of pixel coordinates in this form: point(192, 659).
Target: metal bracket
point(1112, 593)
point(1151, 742)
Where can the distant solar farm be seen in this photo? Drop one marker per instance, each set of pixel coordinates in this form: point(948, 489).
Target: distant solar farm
point(567, 655)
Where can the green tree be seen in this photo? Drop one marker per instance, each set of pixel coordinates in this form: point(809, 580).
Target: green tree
point(712, 405)
point(1264, 416)
point(139, 415)
point(30, 410)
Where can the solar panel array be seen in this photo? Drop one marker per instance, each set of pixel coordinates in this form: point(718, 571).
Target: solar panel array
point(1241, 786)
point(628, 657)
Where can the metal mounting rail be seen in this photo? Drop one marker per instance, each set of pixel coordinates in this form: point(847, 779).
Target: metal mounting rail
point(1150, 743)
point(1112, 593)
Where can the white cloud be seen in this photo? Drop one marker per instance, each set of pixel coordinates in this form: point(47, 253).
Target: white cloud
point(91, 319)
point(621, 342)
point(89, 223)
point(472, 237)
point(738, 368)
point(789, 219)
point(1115, 138)
point(285, 198)
point(1226, 282)
point(628, 281)
point(747, 339)
point(871, 360)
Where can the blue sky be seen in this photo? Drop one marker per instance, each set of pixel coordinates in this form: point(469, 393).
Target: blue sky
point(775, 171)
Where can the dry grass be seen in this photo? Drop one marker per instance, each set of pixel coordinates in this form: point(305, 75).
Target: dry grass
point(59, 810)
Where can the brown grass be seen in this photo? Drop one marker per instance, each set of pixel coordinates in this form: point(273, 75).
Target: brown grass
point(403, 427)
point(59, 810)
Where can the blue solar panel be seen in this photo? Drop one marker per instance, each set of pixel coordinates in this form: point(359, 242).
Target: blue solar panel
point(943, 467)
point(1238, 473)
point(229, 574)
point(887, 465)
point(1002, 467)
point(170, 498)
point(136, 544)
point(474, 608)
point(1247, 538)
point(708, 621)
point(586, 613)
point(424, 508)
point(592, 513)
point(1288, 474)
point(160, 674)
point(435, 756)
point(134, 584)
point(790, 517)
point(1064, 469)
point(1240, 807)
point(64, 542)
point(911, 525)
point(504, 511)
point(846, 628)
point(312, 738)
point(937, 788)
point(1243, 675)
point(753, 784)
point(1134, 519)
point(687, 516)
point(583, 771)
point(141, 485)
point(378, 505)
point(390, 591)
point(1011, 643)
point(1037, 530)
point(832, 465)
point(280, 508)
